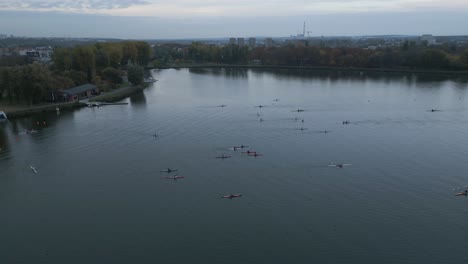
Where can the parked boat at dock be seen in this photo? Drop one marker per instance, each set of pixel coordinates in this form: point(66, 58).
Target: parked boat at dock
point(3, 117)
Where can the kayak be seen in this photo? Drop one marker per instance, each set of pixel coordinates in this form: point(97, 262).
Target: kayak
point(33, 169)
point(240, 147)
point(168, 170)
point(175, 177)
point(232, 196)
point(461, 194)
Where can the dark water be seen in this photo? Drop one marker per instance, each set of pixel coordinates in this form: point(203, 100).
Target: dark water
point(99, 197)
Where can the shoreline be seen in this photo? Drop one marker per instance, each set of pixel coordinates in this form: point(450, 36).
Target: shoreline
point(118, 94)
point(17, 111)
point(351, 69)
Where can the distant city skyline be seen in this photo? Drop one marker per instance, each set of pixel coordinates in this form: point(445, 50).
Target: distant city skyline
point(153, 19)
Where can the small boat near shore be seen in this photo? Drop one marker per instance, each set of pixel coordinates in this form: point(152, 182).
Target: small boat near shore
point(99, 104)
point(149, 80)
point(3, 117)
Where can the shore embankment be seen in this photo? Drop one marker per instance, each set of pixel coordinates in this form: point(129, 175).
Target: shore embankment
point(15, 110)
point(19, 110)
point(118, 94)
point(270, 67)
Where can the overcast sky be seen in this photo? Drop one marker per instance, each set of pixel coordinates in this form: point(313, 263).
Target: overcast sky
point(224, 18)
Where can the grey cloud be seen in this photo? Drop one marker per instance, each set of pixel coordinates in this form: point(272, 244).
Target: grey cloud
point(76, 4)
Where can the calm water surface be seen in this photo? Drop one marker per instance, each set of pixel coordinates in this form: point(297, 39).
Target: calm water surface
point(99, 197)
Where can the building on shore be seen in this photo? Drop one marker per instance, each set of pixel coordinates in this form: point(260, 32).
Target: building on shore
point(74, 94)
point(240, 41)
point(80, 92)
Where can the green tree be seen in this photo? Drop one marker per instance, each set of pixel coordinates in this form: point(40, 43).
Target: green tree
point(143, 53)
point(102, 59)
point(434, 59)
point(62, 59)
point(135, 74)
point(464, 59)
point(129, 52)
point(84, 58)
point(114, 52)
point(112, 75)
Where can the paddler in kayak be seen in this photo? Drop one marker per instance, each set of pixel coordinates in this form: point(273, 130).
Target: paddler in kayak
point(339, 165)
point(230, 196)
point(33, 168)
point(169, 170)
point(175, 177)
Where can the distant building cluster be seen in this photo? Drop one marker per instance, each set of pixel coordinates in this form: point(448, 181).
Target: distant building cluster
point(429, 39)
point(251, 42)
point(366, 42)
point(5, 36)
point(40, 54)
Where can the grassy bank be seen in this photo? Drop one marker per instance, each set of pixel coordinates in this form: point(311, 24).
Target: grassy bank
point(15, 110)
point(118, 94)
point(390, 70)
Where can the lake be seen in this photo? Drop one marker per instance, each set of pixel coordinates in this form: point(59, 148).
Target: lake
point(99, 195)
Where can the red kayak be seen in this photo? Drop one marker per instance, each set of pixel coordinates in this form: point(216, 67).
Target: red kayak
point(232, 196)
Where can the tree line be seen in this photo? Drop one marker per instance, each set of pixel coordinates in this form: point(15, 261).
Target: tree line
point(408, 56)
point(101, 64)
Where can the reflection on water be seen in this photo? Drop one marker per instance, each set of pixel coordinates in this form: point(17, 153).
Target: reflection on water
point(99, 195)
point(335, 75)
point(4, 146)
point(138, 100)
point(224, 72)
